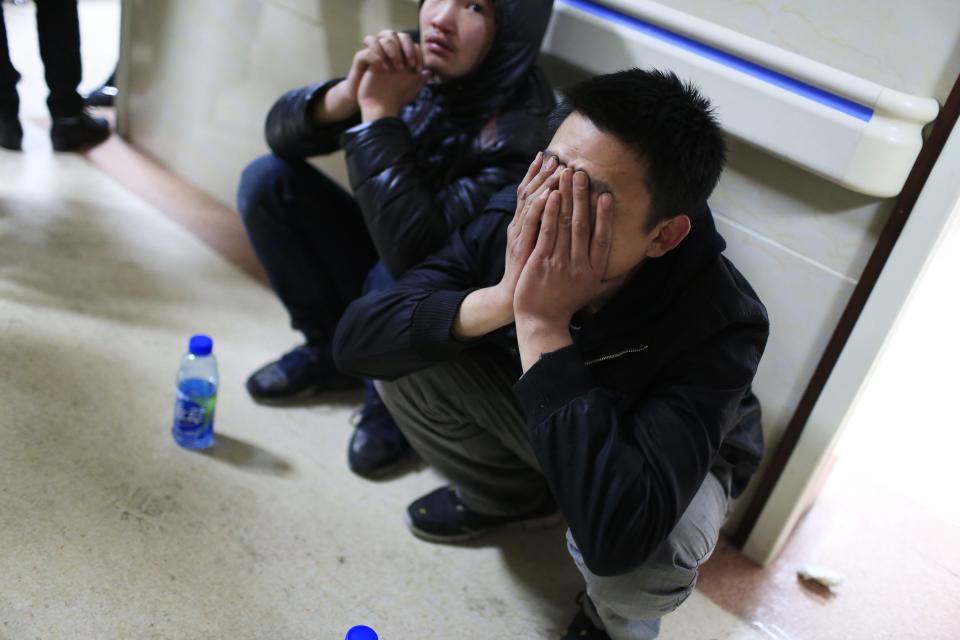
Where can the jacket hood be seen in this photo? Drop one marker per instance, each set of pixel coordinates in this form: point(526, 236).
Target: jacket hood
point(521, 25)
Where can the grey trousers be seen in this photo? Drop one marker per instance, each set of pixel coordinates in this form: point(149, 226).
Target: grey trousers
point(462, 417)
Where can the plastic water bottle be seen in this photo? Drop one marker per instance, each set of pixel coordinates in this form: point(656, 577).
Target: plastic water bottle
point(197, 381)
point(361, 632)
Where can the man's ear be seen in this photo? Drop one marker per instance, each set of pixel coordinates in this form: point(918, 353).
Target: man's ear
point(668, 234)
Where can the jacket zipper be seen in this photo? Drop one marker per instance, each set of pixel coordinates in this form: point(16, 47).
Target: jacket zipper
point(616, 355)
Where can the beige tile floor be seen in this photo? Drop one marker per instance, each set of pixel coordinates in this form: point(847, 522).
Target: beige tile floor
point(108, 530)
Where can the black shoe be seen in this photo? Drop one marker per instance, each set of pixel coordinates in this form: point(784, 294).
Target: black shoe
point(377, 447)
point(441, 517)
point(11, 133)
point(102, 96)
point(298, 374)
point(78, 132)
point(582, 627)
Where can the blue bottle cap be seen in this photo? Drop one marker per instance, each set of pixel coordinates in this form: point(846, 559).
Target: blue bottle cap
point(201, 345)
point(361, 632)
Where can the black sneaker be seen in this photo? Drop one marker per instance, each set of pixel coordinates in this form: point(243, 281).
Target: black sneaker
point(377, 447)
point(582, 627)
point(441, 517)
point(78, 132)
point(298, 374)
point(11, 133)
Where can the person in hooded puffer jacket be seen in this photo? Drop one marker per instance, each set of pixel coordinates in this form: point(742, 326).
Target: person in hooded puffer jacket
point(432, 123)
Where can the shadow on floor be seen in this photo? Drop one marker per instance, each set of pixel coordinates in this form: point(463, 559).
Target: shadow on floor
point(247, 456)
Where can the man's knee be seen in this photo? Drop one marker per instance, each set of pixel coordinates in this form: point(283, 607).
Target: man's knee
point(669, 575)
point(261, 183)
point(417, 391)
point(651, 591)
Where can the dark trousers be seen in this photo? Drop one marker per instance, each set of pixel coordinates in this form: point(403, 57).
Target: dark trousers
point(58, 28)
point(309, 235)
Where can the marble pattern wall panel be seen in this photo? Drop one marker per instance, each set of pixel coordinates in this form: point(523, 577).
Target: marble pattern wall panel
point(203, 74)
point(827, 224)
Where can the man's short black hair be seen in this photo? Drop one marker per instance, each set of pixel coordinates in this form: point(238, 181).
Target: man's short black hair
point(666, 122)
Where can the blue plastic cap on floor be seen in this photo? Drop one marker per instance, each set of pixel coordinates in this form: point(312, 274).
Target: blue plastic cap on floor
point(361, 632)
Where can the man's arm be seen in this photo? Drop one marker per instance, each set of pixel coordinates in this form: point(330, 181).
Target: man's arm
point(293, 130)
point(623, 469)
point(309, 121)
point(395, 331)
point(454, 296)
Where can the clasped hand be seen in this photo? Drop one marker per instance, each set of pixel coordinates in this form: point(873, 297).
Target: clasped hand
point(385, 75)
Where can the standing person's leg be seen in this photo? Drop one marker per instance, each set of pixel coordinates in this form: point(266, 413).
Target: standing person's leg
point(630, 606)
point(462, 418)
point(11, 134)
point(58, 28)
point(377, 446)
point(309, 235)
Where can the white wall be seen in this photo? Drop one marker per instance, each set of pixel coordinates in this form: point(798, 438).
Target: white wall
point(201, 75)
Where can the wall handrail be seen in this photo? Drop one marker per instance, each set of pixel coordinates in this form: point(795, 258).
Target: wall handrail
point(842, 127)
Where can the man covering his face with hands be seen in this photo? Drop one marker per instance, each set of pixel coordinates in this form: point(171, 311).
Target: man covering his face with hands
point(584, 350)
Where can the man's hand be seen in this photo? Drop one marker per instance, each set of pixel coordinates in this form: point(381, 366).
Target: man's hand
point(488, 309)
point(394, 80)
point(566, 269)
point(387, 51)
point(542, 177)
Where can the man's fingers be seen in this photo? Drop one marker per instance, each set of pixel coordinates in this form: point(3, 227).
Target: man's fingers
point(378, 54)
point(542, 185)
point(581, 223)
point(532, 170)
point(535, 167)
point(390, 44)
point(602, 235)
point(547, 240)
point(564, 217)
point(547, 167)
point(530, 227)
point(410, 53)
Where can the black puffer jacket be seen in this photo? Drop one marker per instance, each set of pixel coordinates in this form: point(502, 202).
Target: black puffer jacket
point(421, 175)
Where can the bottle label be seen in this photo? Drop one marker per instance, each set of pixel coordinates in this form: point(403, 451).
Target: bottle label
point(194, 412)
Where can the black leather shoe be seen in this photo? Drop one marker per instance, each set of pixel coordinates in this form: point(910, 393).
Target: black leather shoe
point(78, 132)
point(11, 133)
point(377, 446)
point(299, 374)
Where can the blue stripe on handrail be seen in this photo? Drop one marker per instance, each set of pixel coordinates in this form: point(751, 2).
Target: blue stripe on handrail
point(832, 100)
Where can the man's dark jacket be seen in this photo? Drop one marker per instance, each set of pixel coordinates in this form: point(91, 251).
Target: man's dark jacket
point(627, 422)
point(421, 175)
